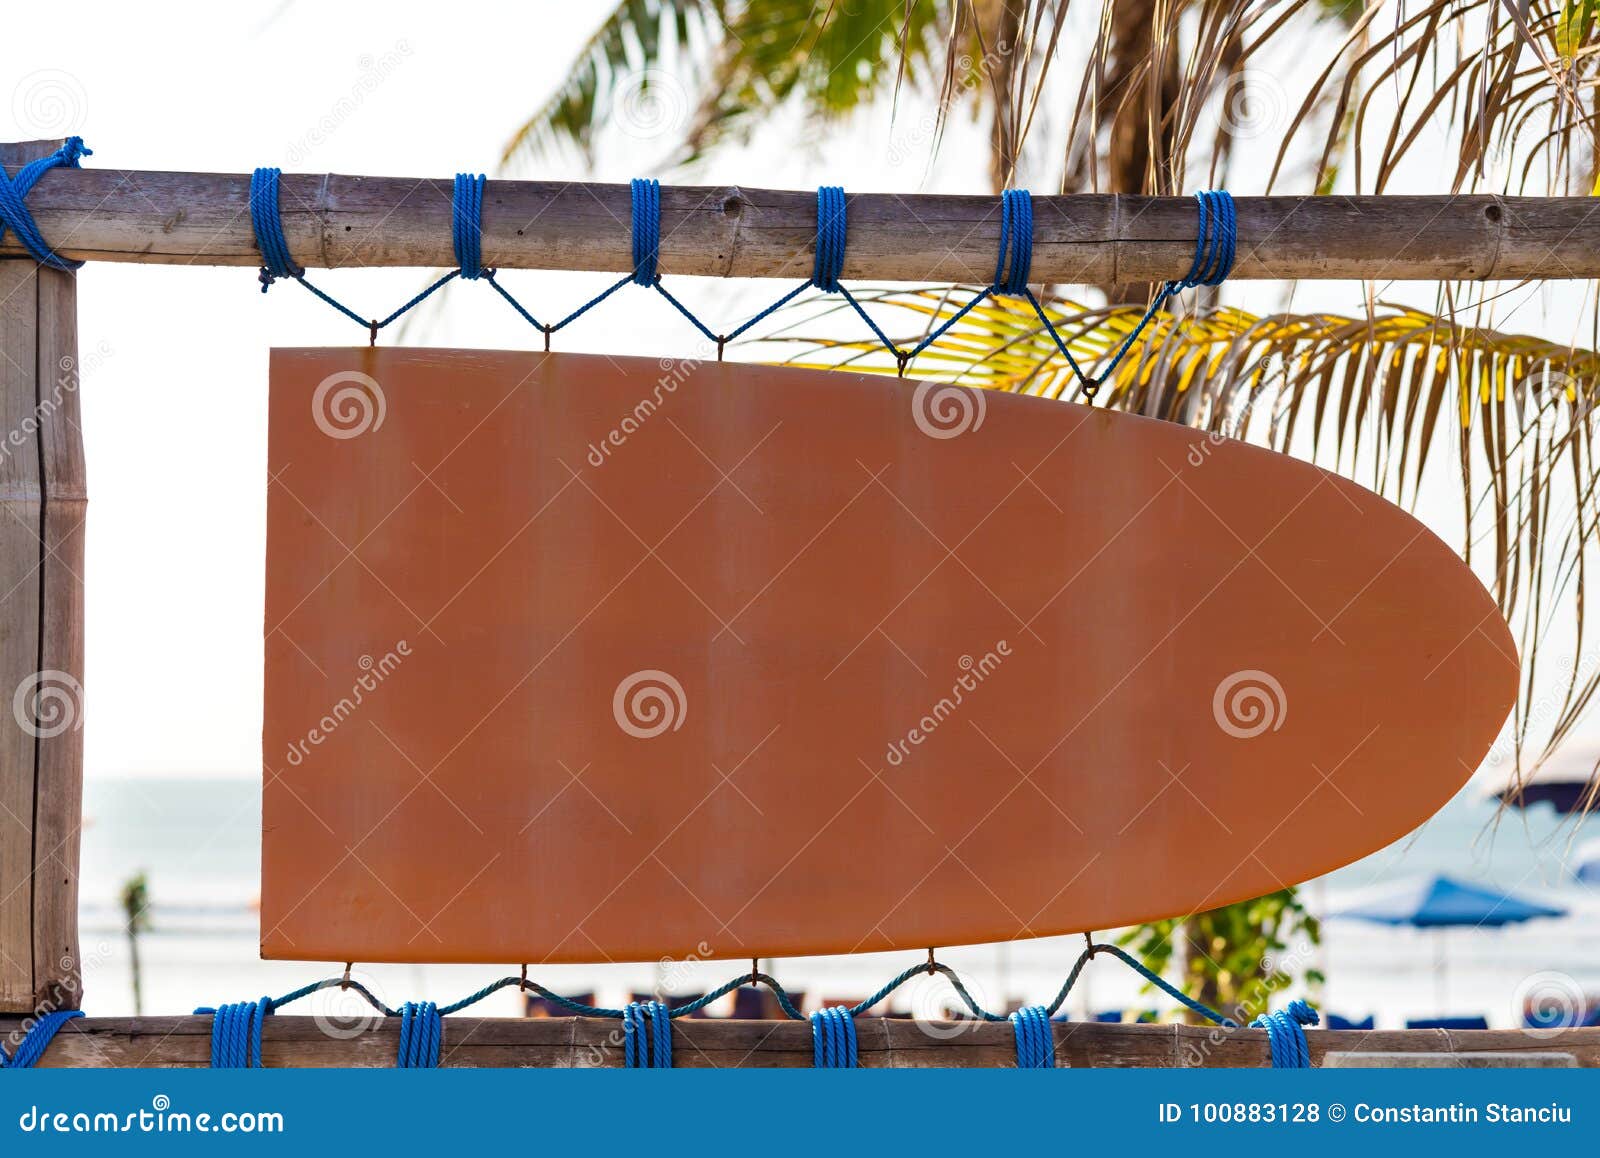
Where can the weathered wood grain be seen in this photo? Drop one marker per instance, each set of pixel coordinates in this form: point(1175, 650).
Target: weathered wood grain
point(884, 1043)
point(42, 490)
point(20, 529)
point(332, 220)
point(58, 787)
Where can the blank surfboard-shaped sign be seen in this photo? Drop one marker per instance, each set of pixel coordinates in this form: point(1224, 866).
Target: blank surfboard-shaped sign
point(578, 659)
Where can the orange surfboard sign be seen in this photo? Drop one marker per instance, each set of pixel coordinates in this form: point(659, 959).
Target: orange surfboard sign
point(578, 658)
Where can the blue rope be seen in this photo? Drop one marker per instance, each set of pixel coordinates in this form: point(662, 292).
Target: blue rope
point(833, 1038)
point(647, 1025)
point(421, 1032)
point(1016, 243)
point(632, 1034)
point(646, 230)
point(647, 1035)
point(266, 221)
point(14, 212)
point(33, 1044)
point(518, 306)
point(1215, 241)
point(688, 313)
point(1285, 1037)
point(1216, 244)
point(236, 1033)
point(466, 224)
point(1155, 979)
point(831, 233)
point(1036, 1043)
point(785, 1000)
point(1012, 267)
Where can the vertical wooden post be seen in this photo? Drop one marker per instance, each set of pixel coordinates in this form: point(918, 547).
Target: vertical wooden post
point(42, 491)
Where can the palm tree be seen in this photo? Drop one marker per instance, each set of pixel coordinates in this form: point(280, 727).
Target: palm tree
point(1157, 96)
point(136, 909)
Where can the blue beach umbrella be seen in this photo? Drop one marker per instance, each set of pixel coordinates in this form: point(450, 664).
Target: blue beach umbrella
point(1441, 902)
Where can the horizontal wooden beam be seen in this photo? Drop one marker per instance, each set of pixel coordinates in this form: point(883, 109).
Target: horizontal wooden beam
point(884, 1043)
point(339, 221)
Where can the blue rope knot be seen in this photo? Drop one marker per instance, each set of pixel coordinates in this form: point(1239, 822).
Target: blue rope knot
point(15, 214)
point(647, 1035)
point(266, 221)
point(833, 1038)
point(646, 230)
point(421, 1031)
point(831, 234)
point(1015, 259)
point(236, 1034)
point(1036, 1043)
point(33, 1044)
point(1285, 1037)
point(466, 224)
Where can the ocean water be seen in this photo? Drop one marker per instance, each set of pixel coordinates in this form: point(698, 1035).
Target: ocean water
point(199, 842)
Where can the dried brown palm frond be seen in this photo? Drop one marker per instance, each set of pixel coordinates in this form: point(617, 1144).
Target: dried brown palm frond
point(1376, 397)
point(1511, 88)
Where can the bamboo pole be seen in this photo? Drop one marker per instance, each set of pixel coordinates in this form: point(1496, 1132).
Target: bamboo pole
point(42, 490)
point(339, 221)
point(580, 1042)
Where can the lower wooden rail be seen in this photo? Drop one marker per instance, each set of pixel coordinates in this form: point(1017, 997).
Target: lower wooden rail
point(581, 1042)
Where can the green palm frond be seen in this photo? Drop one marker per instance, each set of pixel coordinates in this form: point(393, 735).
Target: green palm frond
point(632, 40)
point(1371, 397)
point(727, 65)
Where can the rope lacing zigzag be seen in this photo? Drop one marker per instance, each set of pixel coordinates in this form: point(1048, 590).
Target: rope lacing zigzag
point(1215, 245)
